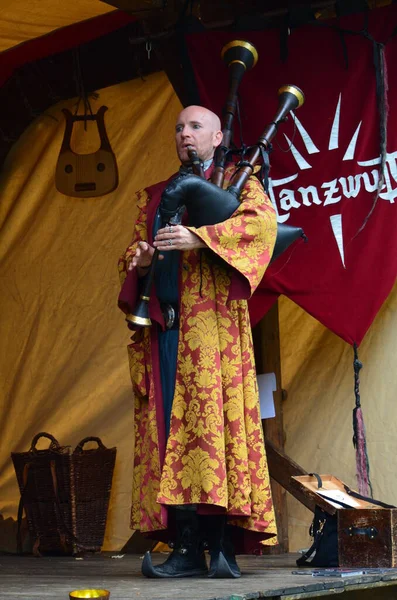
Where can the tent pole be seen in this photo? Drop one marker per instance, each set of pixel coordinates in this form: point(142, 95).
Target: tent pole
point(266, 338)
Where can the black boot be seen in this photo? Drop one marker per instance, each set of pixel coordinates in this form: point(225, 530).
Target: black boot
point(187, 558)
point(223, 560)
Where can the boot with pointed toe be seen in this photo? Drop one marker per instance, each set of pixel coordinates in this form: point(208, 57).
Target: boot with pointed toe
point(222, 567)
point(187, 559)
point(223, 564)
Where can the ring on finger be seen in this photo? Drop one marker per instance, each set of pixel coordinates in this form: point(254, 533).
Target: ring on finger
point(170, 242)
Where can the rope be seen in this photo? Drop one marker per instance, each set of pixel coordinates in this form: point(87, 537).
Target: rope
point(381, 94)
point(359, 436)
point(80, 88)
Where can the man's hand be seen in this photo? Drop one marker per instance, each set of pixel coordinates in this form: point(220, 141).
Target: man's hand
point(177, 237)
point(142, 258)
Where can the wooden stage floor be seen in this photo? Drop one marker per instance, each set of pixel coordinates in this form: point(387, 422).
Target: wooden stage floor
point(52, 578)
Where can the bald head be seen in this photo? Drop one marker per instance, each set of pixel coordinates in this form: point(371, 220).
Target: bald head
point(203, 114)
point(199, 128)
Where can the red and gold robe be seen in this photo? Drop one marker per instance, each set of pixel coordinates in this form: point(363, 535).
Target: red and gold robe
point(214, 456)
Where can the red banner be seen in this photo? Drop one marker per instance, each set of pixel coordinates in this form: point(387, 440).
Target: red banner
point(325, 161)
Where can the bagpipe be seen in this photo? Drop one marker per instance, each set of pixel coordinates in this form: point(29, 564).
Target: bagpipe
point(206, 202)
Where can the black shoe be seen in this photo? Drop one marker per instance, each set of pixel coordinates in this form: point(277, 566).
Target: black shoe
point(187, 558)
point(223, 568)
point(176, 565)
point(223, 560)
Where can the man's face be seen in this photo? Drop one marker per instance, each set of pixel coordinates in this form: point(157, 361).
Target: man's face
point(200, 128)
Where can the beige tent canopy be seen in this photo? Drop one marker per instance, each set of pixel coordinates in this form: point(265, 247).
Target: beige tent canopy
point(22, 21)
point(63, 360)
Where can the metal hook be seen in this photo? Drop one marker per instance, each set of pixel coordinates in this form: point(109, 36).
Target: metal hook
point(148, 49)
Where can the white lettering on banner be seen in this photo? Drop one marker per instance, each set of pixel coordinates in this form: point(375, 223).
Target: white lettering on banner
point(367, 184)
point(332, 189)
point(350, 185)
point(285, 199)
point(305, 195)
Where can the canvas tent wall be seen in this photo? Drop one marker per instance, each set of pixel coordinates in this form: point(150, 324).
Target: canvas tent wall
point(64, 364)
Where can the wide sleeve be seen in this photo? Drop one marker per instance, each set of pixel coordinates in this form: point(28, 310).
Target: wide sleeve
point(246, 240)
point(129, 279)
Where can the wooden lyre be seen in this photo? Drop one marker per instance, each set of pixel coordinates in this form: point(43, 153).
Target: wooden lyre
point(86, 175)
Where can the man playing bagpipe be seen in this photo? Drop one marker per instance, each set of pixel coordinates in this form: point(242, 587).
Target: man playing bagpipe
point(200, 472)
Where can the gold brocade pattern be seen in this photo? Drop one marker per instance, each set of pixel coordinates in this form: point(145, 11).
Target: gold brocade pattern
point(146, 513)
point(246, 240)
point(140, 234)
point(215, 451)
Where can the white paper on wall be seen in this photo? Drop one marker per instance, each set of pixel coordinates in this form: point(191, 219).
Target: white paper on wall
point(267, 385)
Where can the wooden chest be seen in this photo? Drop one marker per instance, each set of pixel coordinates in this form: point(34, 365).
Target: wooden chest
point(367, 533)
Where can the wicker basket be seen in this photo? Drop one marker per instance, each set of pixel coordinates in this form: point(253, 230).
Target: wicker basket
point(92, 481)
point(65, 495)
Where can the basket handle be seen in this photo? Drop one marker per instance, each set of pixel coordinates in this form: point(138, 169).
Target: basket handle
point(54, 445)
point(79, 447)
